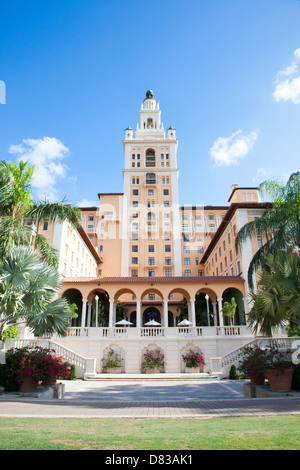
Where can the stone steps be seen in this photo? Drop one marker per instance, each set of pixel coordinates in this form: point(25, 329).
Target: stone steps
point(160, 377)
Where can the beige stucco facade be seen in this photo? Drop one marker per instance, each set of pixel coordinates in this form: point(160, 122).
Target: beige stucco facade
point(141, 255)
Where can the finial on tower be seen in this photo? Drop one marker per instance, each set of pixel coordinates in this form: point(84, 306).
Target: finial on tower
point(149, 94)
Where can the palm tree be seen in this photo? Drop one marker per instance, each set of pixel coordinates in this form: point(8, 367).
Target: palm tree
point(278, 297)
point(279, 224)
point(20, 215)
point(27, 288)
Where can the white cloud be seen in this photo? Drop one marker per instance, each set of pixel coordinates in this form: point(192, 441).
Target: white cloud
point(87, 203)
point(262, 174)
point(47, 155)
point(288, 82)
point(228, 151)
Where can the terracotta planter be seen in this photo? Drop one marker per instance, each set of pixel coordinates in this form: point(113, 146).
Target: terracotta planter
point(192, 370)
point(280, 380)
point(113, 370)
point(258, 379)
point(27, 385)
point(149, 370)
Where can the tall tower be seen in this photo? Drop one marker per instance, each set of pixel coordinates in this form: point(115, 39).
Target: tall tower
point(151, 237)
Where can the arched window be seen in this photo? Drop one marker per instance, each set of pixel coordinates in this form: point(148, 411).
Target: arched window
point(150, 157)
point(150, 178)
point(149, 123)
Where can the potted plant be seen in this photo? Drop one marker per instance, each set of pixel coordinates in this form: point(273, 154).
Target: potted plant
point(279, 370)
point(112, 363)
point(31, 367)
point(194, 362)
point(153, 361)
point(253, 365)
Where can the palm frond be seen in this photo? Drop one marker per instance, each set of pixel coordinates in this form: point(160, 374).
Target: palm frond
point(59, 211)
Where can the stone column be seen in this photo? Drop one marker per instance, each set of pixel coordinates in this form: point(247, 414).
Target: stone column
point(111, 313)
point(165, 310)
point(214, 304)
point(220, 306)
point(89, 315)
point(193, 312)
point(83, 313)
point(138, 313)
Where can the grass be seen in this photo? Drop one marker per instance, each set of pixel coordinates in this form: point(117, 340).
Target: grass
point(232, 433)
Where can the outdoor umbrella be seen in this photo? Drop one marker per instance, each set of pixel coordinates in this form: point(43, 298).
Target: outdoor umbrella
point(152, 323)
point(185, 322)
point(124, 323)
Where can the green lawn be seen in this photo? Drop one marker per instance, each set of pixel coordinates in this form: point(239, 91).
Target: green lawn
point(263, 433)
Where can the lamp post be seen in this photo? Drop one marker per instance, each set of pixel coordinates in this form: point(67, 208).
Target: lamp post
point(207, 306)
point(97, 299)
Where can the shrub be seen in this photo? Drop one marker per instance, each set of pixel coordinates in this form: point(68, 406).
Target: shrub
point(193, 359)
point(233, 374)
point(153, 359)
point(73, 372)
point(111, 360)
point(11, 332)
point(41, 364)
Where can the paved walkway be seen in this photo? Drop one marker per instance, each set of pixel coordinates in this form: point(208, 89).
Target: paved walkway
point(148, 399)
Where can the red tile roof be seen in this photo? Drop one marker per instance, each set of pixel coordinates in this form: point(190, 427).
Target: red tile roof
point(154, 280)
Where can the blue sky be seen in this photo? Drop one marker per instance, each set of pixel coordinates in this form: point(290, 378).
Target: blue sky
point(226, 75)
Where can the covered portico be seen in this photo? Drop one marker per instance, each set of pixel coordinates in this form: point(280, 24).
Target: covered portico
point(103, 301)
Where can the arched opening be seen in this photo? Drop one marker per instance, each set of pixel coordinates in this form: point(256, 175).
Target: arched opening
point(150, 158)
point(205, 307)
point(125, 306)
point(239, 317)
point(178, 301)
point(99, 301)
point(149, 123)
point(74, 297)
point(204, 310)
point(151, 313)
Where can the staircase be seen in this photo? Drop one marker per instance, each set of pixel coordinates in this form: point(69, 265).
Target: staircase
point(221, 365)
point(84, 366)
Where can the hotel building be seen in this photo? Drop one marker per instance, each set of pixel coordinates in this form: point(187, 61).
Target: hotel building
point(140, 256)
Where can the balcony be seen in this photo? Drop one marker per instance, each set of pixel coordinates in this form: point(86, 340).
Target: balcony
point(171, 333)
point(150, 180)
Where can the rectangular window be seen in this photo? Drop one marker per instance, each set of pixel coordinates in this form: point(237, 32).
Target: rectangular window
point(151, 261)
point(168, 273)
point(135, 192)
point(200, 273)
point(150, 192)
point(187, 261)
point(167, 261)
point(186, 249)
point(135, 248)
point(134, 260)
point(167, 248)
point(151, 273)
point(151, 248)
point(166, 192)
point(134, 273)
point(187, 273)
point(46, 222)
